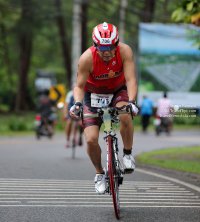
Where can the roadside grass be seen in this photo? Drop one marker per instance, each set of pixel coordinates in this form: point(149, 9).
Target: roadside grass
point(181, 158)
point(12, 122)
point(23, 123)
point(138, 126)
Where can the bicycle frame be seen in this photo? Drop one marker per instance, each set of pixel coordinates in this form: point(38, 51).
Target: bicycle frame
point(114, 169)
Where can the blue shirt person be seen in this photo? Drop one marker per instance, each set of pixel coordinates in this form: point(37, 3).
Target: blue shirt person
point(146, 111)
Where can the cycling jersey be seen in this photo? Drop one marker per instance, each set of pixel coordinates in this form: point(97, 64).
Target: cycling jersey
point(105, 78)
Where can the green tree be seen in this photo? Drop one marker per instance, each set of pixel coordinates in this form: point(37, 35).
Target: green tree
point(185, 10)
point(188, 11)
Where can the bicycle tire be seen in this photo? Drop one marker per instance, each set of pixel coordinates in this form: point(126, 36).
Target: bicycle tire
point(113, 178)
point(74, 140)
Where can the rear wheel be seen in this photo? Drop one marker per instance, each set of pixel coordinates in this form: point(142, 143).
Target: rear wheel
point(74, 139)
point(73, 149)
point(50, 136)
point(113, 175)
point(157, 131)
point(37, 135)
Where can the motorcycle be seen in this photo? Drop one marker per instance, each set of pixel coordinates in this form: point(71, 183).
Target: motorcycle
point(43, 126)
point(161, 125)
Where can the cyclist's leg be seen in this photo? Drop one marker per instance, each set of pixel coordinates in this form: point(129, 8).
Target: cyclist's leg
point(94, 152)
point(126, 128)
point(68, 130)
point(93, 148)
point(91, 127)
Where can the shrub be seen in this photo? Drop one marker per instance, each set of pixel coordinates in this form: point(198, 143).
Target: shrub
point(17, 125)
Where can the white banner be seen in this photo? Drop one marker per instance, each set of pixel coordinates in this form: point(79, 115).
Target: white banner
point(190, 100)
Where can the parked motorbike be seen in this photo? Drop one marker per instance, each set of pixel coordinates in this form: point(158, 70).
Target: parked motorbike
point(161, 125)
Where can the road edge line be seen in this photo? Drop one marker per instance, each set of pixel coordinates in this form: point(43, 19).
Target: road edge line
point(169, 178)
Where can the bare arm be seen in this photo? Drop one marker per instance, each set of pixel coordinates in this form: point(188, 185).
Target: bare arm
point(84, 70)
point(129, 70)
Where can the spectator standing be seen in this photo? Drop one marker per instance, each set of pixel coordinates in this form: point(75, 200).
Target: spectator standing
point(164, 110)
point(146, 111)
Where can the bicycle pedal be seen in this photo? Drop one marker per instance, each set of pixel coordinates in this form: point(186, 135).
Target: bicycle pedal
point(120, 181)
point(128, 171)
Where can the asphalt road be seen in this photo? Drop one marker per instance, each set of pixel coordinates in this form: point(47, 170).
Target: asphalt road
point(40, 182)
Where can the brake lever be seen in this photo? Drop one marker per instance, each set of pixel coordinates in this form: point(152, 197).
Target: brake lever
point(129, 109)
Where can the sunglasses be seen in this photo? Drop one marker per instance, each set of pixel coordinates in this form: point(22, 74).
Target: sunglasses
point(105, 47)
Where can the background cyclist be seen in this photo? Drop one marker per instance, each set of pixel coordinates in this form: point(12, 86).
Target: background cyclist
point(69, 102)
point(106, 68)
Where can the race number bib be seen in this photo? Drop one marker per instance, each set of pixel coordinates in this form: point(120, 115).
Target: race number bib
point(100, 100)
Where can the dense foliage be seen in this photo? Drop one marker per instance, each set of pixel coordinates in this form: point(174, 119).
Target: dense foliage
point(35, 21)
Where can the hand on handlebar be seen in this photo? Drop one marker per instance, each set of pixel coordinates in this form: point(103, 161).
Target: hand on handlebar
point(134, 109)
point(76, 110)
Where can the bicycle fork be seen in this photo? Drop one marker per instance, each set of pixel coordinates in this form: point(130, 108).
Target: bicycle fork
point(118, 165)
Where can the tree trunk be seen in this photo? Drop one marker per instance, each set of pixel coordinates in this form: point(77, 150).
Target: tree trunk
point(84, 17)
point(25, 45)
point(63, 36)
point(76, 38)
point(6, 51)
point(165, 4)
point(25, 51)
point(148, 11)
point(123, 5)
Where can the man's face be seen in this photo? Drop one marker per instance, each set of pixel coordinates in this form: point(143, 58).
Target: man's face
point(106, 54)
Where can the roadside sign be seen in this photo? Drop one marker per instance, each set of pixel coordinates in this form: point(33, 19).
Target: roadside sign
point(62, 89)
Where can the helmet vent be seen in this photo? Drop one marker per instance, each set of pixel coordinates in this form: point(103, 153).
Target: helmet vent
point(107, 31)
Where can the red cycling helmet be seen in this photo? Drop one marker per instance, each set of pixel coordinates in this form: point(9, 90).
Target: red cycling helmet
point(105, 34)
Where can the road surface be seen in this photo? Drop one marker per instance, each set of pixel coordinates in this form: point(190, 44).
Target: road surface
point(40, 182)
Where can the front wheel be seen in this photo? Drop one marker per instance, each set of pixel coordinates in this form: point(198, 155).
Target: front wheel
point(113, 177)
point(157, 131)
point(73, 148)
point(37, 135)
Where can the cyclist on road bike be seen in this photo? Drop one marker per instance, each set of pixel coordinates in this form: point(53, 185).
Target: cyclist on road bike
point(106, 68)
point(69, 102)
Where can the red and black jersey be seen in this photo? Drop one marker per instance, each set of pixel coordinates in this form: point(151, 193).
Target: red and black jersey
point(105, 78)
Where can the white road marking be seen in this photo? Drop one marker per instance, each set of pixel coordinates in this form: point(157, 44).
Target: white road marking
point(80, 192)
point(93, 198)
point(170, 179)
point(10, 201)
point(96, 206)
point(85, 186)
point(94, 195)
point(103, 202)
point(76, 193)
